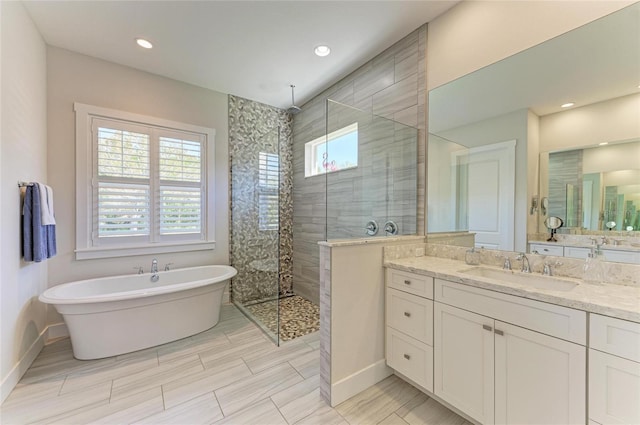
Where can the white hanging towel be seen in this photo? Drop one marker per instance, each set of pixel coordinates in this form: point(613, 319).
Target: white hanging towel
point(46, 205)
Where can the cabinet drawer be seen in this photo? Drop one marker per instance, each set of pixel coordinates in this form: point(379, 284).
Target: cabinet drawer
point(554, 320)
point(410, 314)
point(410, 282)
point(617, 256)
point(410, 357)
point(556, 250)
point(615, 336)
point(576, 252)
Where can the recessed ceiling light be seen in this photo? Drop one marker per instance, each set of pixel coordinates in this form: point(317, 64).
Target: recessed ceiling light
point(144, 43)
point(603, 143)
point(567, 105)
point(322, 50)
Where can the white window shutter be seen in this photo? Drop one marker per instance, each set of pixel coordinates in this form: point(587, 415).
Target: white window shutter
point(181, 188)
point(123, 209)
point(268, 184)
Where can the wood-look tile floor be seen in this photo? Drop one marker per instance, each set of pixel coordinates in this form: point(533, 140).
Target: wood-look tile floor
point(231, 374)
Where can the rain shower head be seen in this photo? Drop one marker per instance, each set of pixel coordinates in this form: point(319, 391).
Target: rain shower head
point(293, 109)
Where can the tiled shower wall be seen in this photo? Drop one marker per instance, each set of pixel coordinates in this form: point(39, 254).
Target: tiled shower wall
point(383, 185)
point(253, 128)
point(391, 85)
point(565, 168)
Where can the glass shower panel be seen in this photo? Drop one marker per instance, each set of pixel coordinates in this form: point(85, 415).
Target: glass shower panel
point(371, 174)
point(255, 230)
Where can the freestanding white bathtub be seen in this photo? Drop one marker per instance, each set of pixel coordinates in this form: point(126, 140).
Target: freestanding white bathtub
point(120, 314)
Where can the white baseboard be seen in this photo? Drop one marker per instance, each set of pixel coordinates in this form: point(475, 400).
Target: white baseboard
point(438, 399)
point(12, 379)
point(359, 381)
point(57, 330)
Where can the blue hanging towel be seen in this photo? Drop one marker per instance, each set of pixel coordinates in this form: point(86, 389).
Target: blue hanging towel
point(38, 241)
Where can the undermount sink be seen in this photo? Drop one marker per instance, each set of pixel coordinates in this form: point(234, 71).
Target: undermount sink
point(525, 279)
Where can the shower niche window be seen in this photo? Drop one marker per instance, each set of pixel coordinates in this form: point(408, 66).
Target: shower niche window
point(268, 181)
point(335, 152)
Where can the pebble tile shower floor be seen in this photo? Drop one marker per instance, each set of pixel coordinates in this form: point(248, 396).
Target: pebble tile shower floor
point(230, 374)
point(298, 316)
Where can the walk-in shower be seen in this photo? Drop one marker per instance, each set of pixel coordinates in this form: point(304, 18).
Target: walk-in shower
point(260, 151)
point(346, 169)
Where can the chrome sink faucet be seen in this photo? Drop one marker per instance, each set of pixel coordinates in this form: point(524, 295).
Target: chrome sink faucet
point(507, 264)
point(526, 267)
point(154, 270)
point(547, 271)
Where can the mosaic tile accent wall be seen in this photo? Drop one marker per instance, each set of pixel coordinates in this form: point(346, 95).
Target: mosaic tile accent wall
point(255, 235)
point(391, 85)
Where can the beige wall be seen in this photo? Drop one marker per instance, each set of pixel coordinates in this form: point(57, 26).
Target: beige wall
point(77, 78)
point(604, 159)
point(533, 171)
point(609, 121)
point(474, 34)
point(24, 157)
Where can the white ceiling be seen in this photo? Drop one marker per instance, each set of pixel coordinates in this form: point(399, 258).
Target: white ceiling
point(253, 49)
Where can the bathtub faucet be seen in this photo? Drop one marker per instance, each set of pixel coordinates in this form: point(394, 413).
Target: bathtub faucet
point(154, 270)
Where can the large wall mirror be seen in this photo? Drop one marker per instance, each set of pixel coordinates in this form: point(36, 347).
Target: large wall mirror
point(501, 145)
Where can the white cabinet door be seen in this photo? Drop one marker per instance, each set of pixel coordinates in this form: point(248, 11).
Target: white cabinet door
point(614, 389)
point(463, 359)
point(538, 379)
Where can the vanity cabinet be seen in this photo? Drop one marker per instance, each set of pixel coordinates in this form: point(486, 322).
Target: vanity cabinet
point(613, 255)
point(505, 359)
point(576, 252)
point(409, 330)
point(556, 250)
point(614, 371)
point(621, 256)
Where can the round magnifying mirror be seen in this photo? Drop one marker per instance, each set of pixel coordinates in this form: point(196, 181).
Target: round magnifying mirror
point(610, 225)
point(553, 223)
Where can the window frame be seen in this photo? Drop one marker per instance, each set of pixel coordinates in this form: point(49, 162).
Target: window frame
point(311, 150)
point(266, 190)
point(86, 248)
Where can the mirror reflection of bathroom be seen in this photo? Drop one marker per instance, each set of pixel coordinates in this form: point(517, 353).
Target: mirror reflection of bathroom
point(590, 189)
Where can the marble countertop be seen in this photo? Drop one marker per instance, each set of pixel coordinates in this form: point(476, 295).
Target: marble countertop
point(373, 240)
point(612, 300)
point(587, 245)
